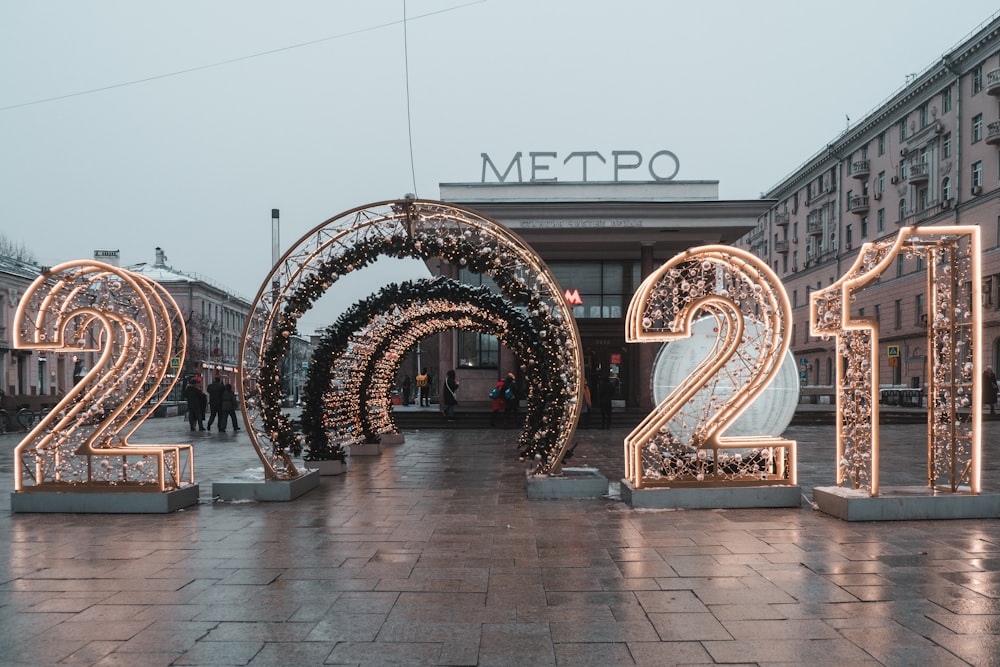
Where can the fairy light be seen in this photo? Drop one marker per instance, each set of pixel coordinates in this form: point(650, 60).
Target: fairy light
point(405, 228)
point(127, 323)
point(681, 442)
point(954, 331)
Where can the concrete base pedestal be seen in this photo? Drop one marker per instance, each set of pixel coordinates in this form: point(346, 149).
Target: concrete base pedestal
point(573, 483)
point(905, 503)
point(269, 490)
point(729, 497)
point(392, 438)
point(105, 502)
point(367, 449)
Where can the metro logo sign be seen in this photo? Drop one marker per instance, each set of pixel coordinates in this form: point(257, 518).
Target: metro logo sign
point(573, 298)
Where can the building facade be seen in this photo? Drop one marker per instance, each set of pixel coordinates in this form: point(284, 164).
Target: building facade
point(213, 315)
point(600, 240)
point(928, 156)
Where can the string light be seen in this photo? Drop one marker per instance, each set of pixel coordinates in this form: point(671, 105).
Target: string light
point(422, 230)
point(127, 324)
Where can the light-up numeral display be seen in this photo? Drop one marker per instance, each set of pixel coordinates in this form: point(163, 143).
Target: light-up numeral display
point(681, 442)
point(125, 329)
point(951, 257)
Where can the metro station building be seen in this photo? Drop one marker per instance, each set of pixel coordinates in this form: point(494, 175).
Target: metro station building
point(600, 239)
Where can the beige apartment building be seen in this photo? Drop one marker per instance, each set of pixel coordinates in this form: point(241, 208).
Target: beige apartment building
point(927, 156)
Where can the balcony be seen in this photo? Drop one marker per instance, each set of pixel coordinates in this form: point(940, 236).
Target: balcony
point(781, 218)
point(919, 173)
point(993, 133)
point(857, 204)
point(860, 170)
point(993, 82)
point(814, 226)
point(755, 236)
point(781, 246)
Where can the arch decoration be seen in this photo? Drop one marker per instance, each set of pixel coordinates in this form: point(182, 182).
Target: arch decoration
point(348, 389)
point(418, 229)
point(127, 328)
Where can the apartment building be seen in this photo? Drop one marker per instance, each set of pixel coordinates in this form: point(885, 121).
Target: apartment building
point(928, 156)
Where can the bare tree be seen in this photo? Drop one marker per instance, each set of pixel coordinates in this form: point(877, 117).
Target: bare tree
point(18, 251)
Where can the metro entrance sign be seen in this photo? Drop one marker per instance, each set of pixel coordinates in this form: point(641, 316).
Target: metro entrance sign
point(662, 165)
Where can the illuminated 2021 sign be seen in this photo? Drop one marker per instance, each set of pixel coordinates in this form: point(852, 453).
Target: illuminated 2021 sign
point(661, 165)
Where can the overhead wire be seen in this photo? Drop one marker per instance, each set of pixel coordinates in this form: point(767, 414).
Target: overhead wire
point(242, 58)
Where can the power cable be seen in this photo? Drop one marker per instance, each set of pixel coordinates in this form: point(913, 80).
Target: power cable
point(240, 59)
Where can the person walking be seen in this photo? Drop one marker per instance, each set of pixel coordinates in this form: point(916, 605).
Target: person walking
point(449, 395)
point(407, 384)
point(498, 403)
point(228, 408)
point(196, 400)
point(423, 385)
point(604, 401)
point(214, 401)
point(587, 405)
point(990, 389)
point(510, 400)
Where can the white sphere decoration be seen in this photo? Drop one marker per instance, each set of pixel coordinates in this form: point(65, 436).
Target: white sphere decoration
point(769, 415)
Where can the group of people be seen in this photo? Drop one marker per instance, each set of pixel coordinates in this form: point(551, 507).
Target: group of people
point(220, 400)
point(505, 400)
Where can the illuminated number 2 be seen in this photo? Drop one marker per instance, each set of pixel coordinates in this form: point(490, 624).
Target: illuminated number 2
point(681, 442)
point(122, 326)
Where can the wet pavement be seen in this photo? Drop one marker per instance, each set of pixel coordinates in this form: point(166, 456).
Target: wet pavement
point(431, 554)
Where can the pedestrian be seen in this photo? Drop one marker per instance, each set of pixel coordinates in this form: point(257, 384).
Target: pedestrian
point(498, 403)
point(406, 389)
point(990, 388)
point(214, 401)
point(510, 400)
point(228, 408)
point(196, 400)
point(449, 394)
point(587, 405)
point(423, 385)
point(604, 401)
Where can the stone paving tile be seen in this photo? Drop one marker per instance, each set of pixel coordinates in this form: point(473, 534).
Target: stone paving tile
point(432, 554)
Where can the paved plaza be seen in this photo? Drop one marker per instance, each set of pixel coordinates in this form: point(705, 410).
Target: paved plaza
point(431, 554)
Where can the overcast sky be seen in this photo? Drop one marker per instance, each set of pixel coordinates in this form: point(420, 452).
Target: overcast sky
point(205, 114)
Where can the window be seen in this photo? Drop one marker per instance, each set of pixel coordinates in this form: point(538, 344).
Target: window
point(977, 128)
point(977, 79)
point(946, 100)
point(902, 130)
point(898, 314)
point(922, 199)
point(601, 286)
point(977, 174)
point(880, 221)
point(477, 350)
point(880, 183)
point(902, 209)
point(945, 189)
point(900, 265)
point(881, 143)
point(946, 145)
point(903, 169)
point(878, 313)
point(864, 152)
point(848, 236)
point(864, 226)
point(923, 115)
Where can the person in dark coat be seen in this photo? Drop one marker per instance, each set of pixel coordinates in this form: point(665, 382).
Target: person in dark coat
point(214, 401)
point(510, 399)
point(228, 408)
point(990, 389)
point(604, 401)
point(196, 400)
point(449, 395)
point(498, 403)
